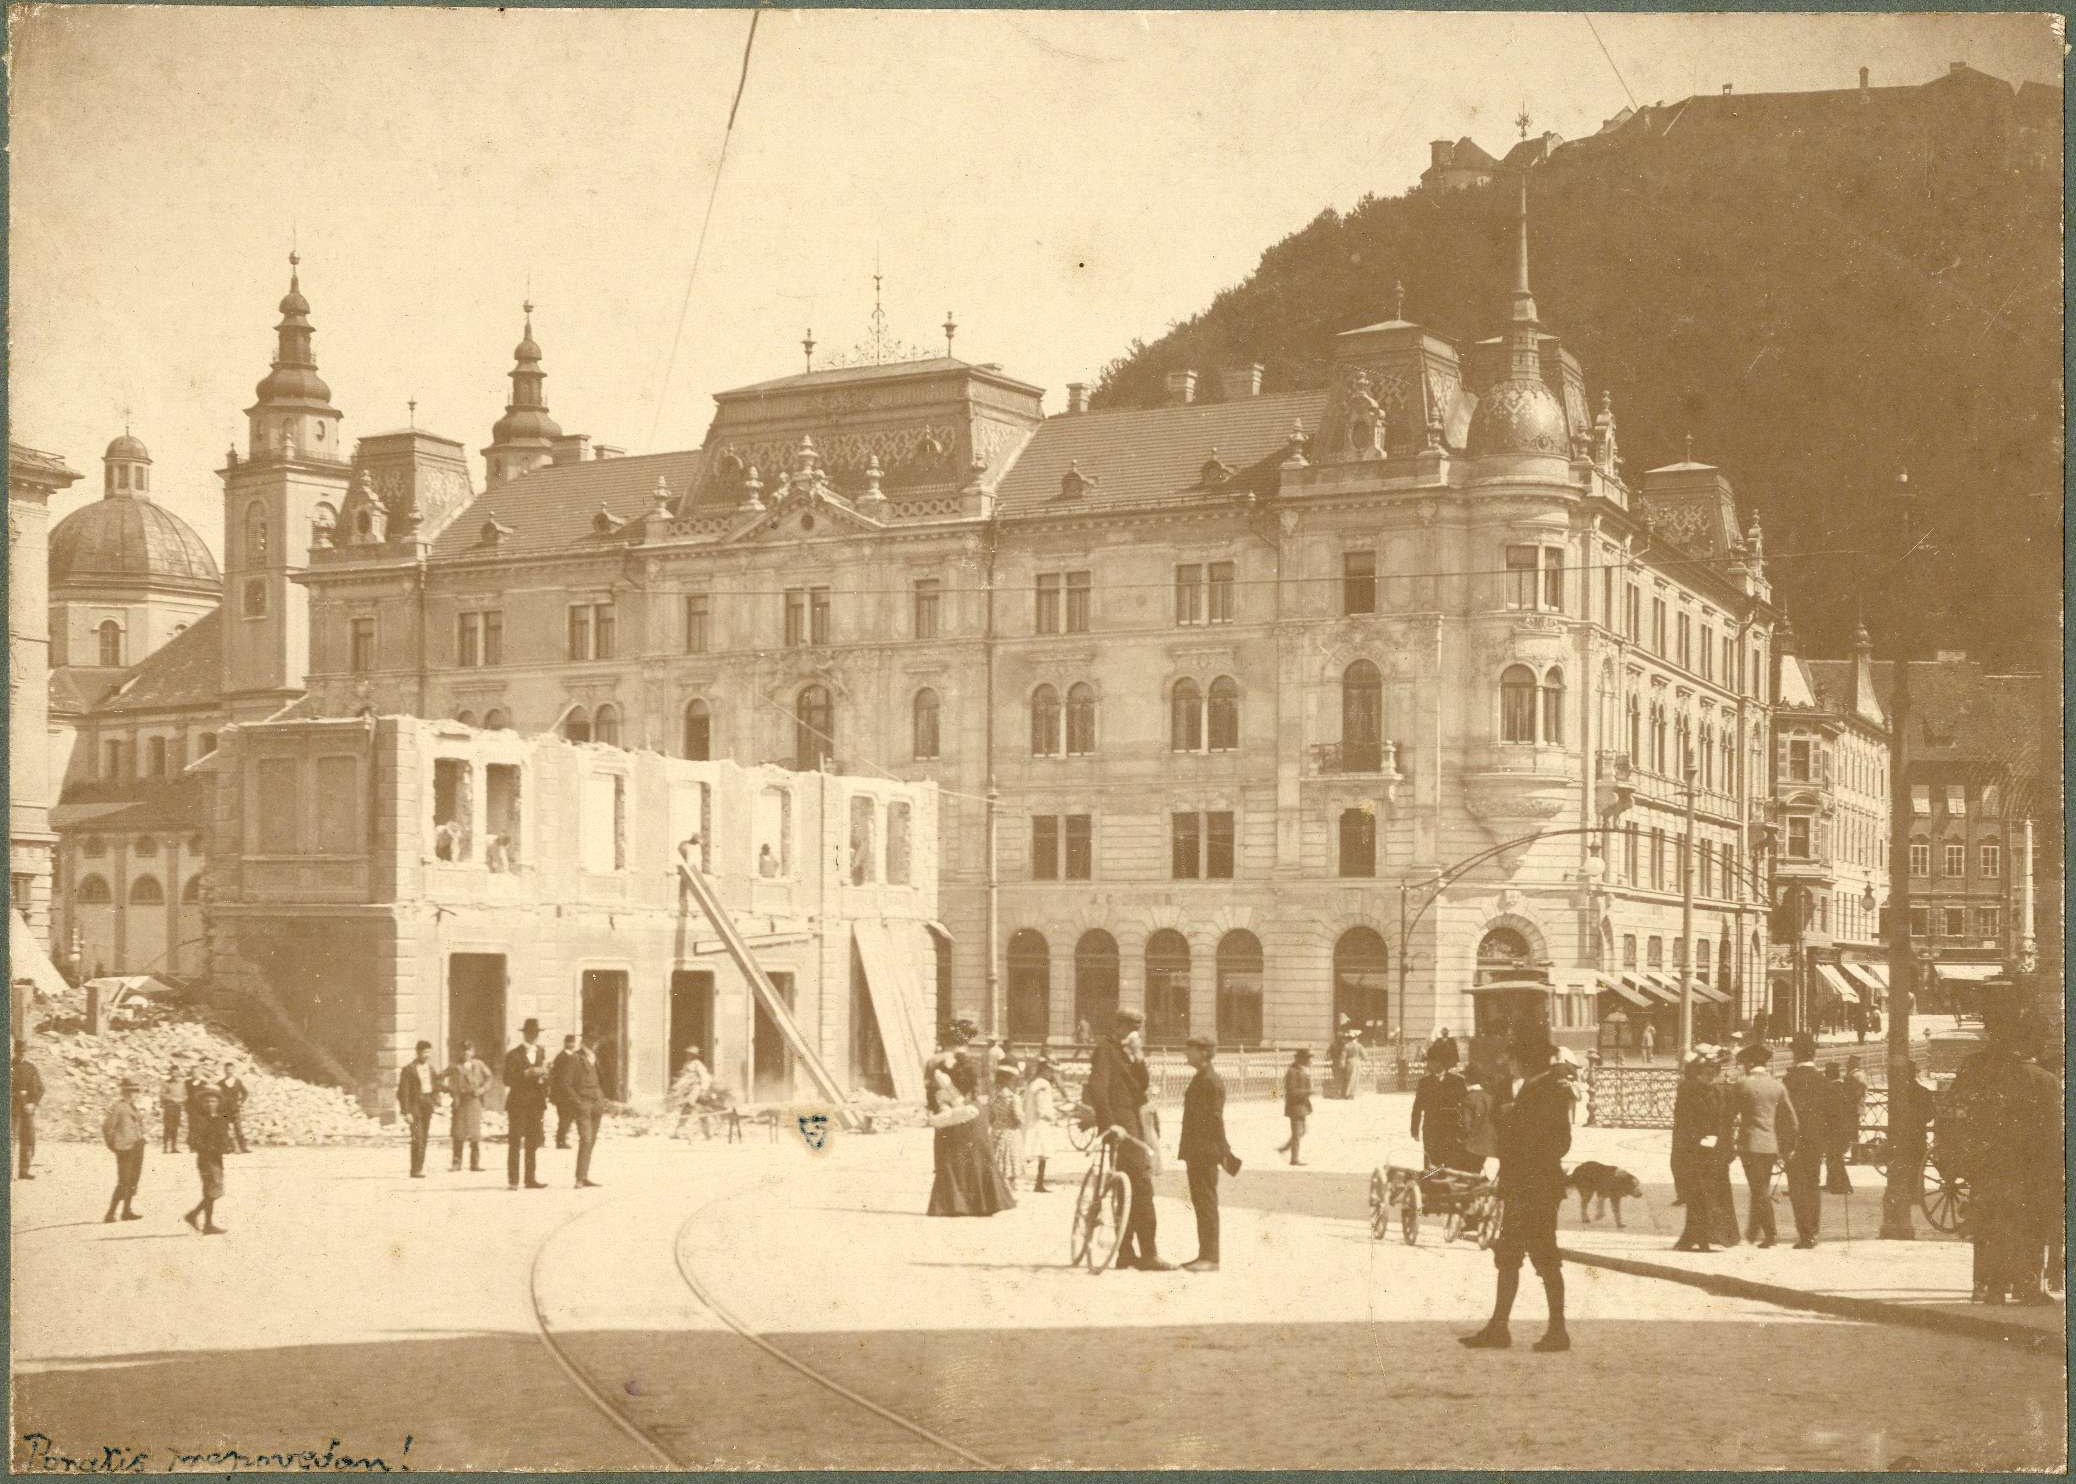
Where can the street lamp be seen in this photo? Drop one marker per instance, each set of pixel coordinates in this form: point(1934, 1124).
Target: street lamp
point(1905, 1187)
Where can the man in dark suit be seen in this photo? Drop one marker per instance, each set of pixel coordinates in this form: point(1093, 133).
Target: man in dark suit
point(559, 1092)
point(1204, 1148)
point(417, 1094)
point(526, 1101)
point(1116, 1091)
point(1764, 1119)
point(587, 1106)
point(1534, 1136)
point(28, 1092)
point(1815, 1122)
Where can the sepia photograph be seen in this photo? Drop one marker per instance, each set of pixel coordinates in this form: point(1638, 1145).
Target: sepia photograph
point(897, 739)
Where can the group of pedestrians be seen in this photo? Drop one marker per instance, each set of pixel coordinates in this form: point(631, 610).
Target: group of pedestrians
point(212, 1132)
point(571, 1082)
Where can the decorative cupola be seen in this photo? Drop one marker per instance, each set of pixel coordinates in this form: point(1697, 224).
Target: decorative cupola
point(1396, 391)
point(126, 468)
point(525, 437)
point(293, 418)
point(1520, 416)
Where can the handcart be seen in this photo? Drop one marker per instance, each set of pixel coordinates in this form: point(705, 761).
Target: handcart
point(1468, 1204)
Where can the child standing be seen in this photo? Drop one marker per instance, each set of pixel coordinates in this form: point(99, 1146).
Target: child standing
point(1297, 1099)
point(1006, 1118)
point(208, 1137)
point(1041, 1108)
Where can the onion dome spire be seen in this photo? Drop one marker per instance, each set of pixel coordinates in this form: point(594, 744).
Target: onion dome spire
point(294, 381)
point(1520, 415)
point(526, 415)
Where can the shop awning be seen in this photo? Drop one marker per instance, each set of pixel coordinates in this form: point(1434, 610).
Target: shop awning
point(1614, 986)
point(1708, 993)
point(1862, 976)
point(1651, 988)
point(1969, 973)
point(1868, 969)
point(1516, 985)
point(1836, 983)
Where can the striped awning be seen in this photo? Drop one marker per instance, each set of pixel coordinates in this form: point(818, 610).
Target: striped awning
point(1614, 986)
point(1650, 987)
point(1836, 983)
point(1708, 992)
point(1862, 975)
point(1868, 969)
point(1969, 973)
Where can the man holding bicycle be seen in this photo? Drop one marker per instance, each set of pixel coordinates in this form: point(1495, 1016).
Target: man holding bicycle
point(1116, 1092)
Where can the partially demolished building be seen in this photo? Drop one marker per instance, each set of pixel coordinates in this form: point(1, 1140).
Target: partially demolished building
point(388, 880)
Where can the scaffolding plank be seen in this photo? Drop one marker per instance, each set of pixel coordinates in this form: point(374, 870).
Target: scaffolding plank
point(897, 1003)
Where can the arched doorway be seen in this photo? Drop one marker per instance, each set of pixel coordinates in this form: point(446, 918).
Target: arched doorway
point(1504, 954)
point(1030, 986)
point(1095, 982)
point(1362, 984)
point(1504, 957)
point(1239, 989)
point(1167, 988)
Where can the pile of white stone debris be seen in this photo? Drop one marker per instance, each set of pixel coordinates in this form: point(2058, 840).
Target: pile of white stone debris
point(164, 1034)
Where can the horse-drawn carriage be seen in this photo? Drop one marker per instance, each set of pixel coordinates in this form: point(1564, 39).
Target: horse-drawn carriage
point(1467, 1203)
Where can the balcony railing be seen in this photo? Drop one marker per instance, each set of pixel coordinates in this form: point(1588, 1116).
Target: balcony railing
point(1355, 757)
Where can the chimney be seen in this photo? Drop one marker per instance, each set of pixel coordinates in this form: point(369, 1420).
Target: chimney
point(1077, 397)
point(1440, 152)
point(607, 451)
point(1726, 90)
point(1182, 388)
point(572, 448)
point(1863, 79)
point(1238, 382)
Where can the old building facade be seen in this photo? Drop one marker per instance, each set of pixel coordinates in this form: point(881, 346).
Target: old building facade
point(32, 478)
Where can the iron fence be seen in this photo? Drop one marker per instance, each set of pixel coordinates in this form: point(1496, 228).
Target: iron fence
point(1642, 1097)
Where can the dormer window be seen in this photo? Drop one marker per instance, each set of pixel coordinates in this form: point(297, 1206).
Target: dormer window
point(493, 532)
point(1074, 484)
point(1215, 471)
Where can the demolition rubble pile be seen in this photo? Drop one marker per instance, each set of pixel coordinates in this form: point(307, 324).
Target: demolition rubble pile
point(148, 1039)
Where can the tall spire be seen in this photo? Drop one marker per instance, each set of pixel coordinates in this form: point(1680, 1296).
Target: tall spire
point(294, 379)
point(1526, 333)
point(526, 417)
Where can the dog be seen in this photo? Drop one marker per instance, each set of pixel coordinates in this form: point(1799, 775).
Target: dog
point(1604, 1186)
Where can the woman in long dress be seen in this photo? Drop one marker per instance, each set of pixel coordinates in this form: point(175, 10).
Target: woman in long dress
point(967, 1183)
point(1041, 1107)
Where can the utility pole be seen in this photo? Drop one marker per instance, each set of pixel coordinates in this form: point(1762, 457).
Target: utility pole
point(1687, 915)
point(1906, 1137)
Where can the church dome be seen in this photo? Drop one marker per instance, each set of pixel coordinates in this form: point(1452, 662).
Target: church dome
point(129, 449)
point(1520, 415)
point(522, 424)
point(125, 540)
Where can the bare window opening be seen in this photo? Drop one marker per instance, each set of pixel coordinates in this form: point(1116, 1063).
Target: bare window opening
point(604, 823)
point(501, 816)
point(338, 805)
point(453, 809)
point(774, 833)
point(691, 823)
point(864, 852)
point(899, 868)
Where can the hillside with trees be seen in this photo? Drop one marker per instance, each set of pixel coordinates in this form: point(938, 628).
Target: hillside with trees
point(1820, 306)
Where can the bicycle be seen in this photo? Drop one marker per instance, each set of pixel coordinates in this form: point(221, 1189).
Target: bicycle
point(1102, 1208)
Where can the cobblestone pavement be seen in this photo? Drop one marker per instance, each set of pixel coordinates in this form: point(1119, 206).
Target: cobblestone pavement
point(356, 1303)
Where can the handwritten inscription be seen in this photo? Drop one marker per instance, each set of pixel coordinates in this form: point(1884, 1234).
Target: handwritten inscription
point(37, 1455)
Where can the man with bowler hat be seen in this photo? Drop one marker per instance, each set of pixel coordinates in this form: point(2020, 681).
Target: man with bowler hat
point(1534, 1136)
point(1204, 1148)
point(1804, 1162)
point(1764, 1121)
point(526, 1101)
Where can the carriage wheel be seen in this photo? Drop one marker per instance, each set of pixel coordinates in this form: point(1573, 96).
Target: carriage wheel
point(1380, 1204)
point(1452, 1226)
point(1113, 1213)
point(1409, 1214)
point(1946, 1199)
point(1488, 1230)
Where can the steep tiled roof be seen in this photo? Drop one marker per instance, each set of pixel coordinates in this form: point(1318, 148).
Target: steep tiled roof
point(186, 671)
point(135, 804)
point(77, 688)
point(848, 375)
point(1151, 453)
point(1961, 713)
point(551, 509)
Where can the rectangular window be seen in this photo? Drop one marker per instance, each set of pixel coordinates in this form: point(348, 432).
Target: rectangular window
point(1708, 653)
point(1798, 838)
point(697, 617)
point(1189, 593)
point(1045, 847)
point(1707, 886)
point(1077, 602)
point(453, 809)
point(1607, 595)
point(818, 615)
point(278, 805)
point(1798, 761)
point(591, 631)
point(1654, 954)
point(468, 641)
point(501, 818)
point(361, 651)
point(1358, 582)
point(1658, 626)
point(1628, 950)
point(111, 760)
point(1047, 620)
point(1732, 887)
point(1956, 800)
point(1920, 858)
point(1218, 597)
point(1521, 576)
point(1658, 860)
point(796, 617)
point(155, 751)
point(1081, 857)
point(1218, 845)
point(1185, 841)
point(1729, 658)
point(1990, 860)
point(1921, 800)
point(1989, 922)
point(1686, 638)
point(1920, 922)
point(1956, 860)
point(603, 823)
point(1953, 922)
point(1630, 839)
point(1358, 842)
point(928, 591)
point(1635, 623)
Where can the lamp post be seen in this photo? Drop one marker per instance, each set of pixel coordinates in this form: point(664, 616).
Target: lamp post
point(1687, 915)
point(1906, 1130)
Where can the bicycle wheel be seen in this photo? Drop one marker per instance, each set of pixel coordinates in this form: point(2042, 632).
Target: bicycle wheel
point(1495, 1213)
point(1380, 1204)
point(1409, 1214)
point(1113, 1208)
point(1080, 1137)
point(1085, 1216)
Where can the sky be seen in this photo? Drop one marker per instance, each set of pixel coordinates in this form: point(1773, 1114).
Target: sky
point(1062, 182)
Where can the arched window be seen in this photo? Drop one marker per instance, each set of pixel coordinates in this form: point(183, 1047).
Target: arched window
point(1362, 983)
point(93, 891)
point(144, 846)
point(1223, 716)
point(1503, 954)
point(255, 533)
point(699, 731)
point(925, 714)
point(814, 728)
point(1636, 753)
point(1167, 988)
point(1186, 717)
point(1658, 739)
point(1362, 718)
point(1358, 842)
point(1610, 714)
point(605, 727)
point(1553, 707)
point(110, 633)
point(192, 892)
point(1081, 719)
point(497, 720)
point(465, 717)
point(1095, 982)
point(1239, 989)
point(145, 891)
point(1705, 754)
point(1045, 722)
point(576, 727)
point(1030, 986)
point(1517, 704)
point(1729, 762)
